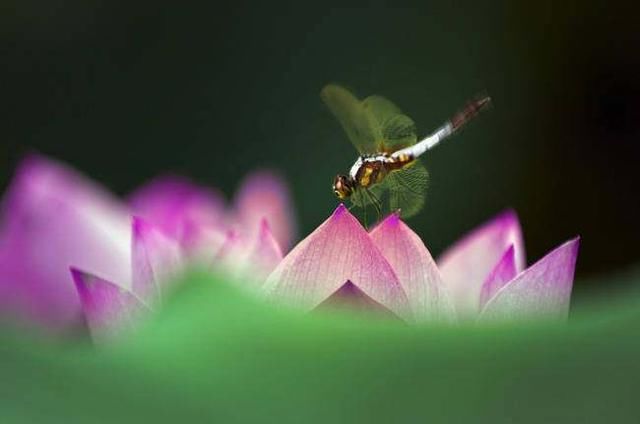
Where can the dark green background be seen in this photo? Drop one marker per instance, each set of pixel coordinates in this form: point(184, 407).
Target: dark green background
point(127, 91)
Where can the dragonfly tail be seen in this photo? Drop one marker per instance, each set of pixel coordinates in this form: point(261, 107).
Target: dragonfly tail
point(470, 110)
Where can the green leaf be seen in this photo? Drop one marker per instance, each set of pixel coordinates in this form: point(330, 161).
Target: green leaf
point(215, 354)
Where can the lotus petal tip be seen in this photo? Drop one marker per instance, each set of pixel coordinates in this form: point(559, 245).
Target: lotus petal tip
point(78, 276)
point(508, 215)
point(264, 226)
point(392, 219)
point(339, 211)
point(138, 225)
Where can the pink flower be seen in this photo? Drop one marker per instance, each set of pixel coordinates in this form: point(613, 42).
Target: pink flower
point(482, 277)
point(122, 253)
point(71, 251)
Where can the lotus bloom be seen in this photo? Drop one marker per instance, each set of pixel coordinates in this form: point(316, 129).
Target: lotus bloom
point(482, 277)
point(53, 219)
point(68, 249)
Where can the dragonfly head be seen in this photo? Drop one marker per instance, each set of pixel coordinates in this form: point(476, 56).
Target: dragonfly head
point(343, 186)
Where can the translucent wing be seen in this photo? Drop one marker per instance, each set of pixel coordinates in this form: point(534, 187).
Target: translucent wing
point(363, 132)
point(374, 124)
point(404, 189)
point(407, 188)
point(396, 129)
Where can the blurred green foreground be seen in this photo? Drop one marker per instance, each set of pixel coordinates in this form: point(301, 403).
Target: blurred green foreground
point(215, 355)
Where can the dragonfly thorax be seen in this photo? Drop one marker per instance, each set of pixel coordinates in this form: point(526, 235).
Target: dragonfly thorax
point(367, 161)
point(371, 170)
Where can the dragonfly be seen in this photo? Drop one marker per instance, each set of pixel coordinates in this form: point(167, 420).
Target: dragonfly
point(388, 172)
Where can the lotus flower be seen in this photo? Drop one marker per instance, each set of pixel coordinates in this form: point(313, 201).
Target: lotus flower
point(121, 253)
point(67, 246)
point(482, 277)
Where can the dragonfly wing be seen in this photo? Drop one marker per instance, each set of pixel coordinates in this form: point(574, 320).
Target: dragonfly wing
point(354, 118)
point(396, 129)
point(406, 188)
point(363, 199)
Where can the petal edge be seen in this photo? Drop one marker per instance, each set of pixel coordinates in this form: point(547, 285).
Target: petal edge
point(337, 251)
point(467, 264)
point(416, 270)
point(541, 291)
point(109, 310)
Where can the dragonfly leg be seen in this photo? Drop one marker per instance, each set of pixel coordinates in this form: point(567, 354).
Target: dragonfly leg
point(376, 203)
point(364, 209)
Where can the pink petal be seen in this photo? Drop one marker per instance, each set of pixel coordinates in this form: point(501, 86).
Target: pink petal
point(109, 310)
point(156, 260)
point(248, 261)
point(415, 268)
point(466, 265)
point(264, 195)
point(541, 291)
point(503, 272)
point(338, 251)
point(263, 257)
point(229, 257)
point(350, 297)
point(170, 201)
point(53, 217)
point(201, 243)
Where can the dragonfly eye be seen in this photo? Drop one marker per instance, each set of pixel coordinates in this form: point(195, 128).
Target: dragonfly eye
point(342, 186)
